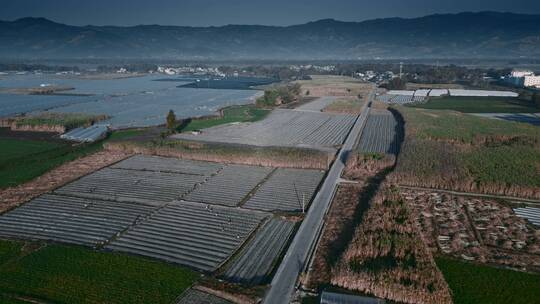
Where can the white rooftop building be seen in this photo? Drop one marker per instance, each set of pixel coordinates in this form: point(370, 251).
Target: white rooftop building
point(524, 79)
point(531, 81)
point(521, 73)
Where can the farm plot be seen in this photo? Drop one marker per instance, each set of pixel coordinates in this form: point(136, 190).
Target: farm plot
point(146, 187)
point(90, 134)
point(70, 220)
point(474, 229)
point(438, 92)
point(385, 98)
point(191, 234)
point(286, 190)
point(318, 104)
point(530, 213)
point(194, 296)
point(282, 128)
point(169, 165)
point(400, 99)
point(482, 93)
point(421, 93)
point(256, 260)
point(229, 186)
point(380, 134)
point(386, 256)
point(487, 105)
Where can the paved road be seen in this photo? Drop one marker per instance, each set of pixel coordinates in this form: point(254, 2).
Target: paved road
point(284, 282)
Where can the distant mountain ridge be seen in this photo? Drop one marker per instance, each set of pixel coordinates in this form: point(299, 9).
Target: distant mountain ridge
point(463, 35)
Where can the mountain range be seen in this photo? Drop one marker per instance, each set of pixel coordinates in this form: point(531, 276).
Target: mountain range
point(463, 35)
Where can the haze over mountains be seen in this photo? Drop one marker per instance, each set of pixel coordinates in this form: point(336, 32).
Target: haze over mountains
point(464, 35)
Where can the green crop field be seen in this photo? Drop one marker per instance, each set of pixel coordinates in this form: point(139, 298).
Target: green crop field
point(22, 160)
point(70, 274)
point(247, 113)
point(125, 134)
point(456, 151)
point(463, 128)
point(6, 299)
point(16, 148)
point(513, 165)
point(36, 158)
point(471, 283)
point(9, 250)
point(479, 105)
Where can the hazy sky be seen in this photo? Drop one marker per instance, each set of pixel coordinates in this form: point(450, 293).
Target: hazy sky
point(220, 12)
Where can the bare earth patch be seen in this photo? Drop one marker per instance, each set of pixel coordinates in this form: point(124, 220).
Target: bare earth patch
point(14, 196)
point(345, 106)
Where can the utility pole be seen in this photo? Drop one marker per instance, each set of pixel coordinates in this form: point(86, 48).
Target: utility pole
point(400, 70)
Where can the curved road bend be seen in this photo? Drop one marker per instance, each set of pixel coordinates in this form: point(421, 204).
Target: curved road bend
point(284, 282)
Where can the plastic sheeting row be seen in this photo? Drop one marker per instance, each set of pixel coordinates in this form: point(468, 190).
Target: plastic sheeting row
point(90, 134)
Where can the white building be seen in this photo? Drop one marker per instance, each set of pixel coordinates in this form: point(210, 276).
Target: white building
point(524, 79)
point(531, 81)
point(522, 73)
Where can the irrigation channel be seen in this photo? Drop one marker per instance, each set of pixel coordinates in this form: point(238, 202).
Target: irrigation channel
point(297, 257)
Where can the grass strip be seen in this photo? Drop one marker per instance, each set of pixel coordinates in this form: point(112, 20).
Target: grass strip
point(472, 283)
point(71, 274)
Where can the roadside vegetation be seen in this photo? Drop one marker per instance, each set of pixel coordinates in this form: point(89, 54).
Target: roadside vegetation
point(22, 160)
point(71, 274)
point(387, 258)
point(480, 105)
point(478, 284)
point(350, 203)
point(450, 150)
point(245, 113)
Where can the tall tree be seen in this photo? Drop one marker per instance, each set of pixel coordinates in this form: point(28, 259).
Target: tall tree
point(171, 120)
